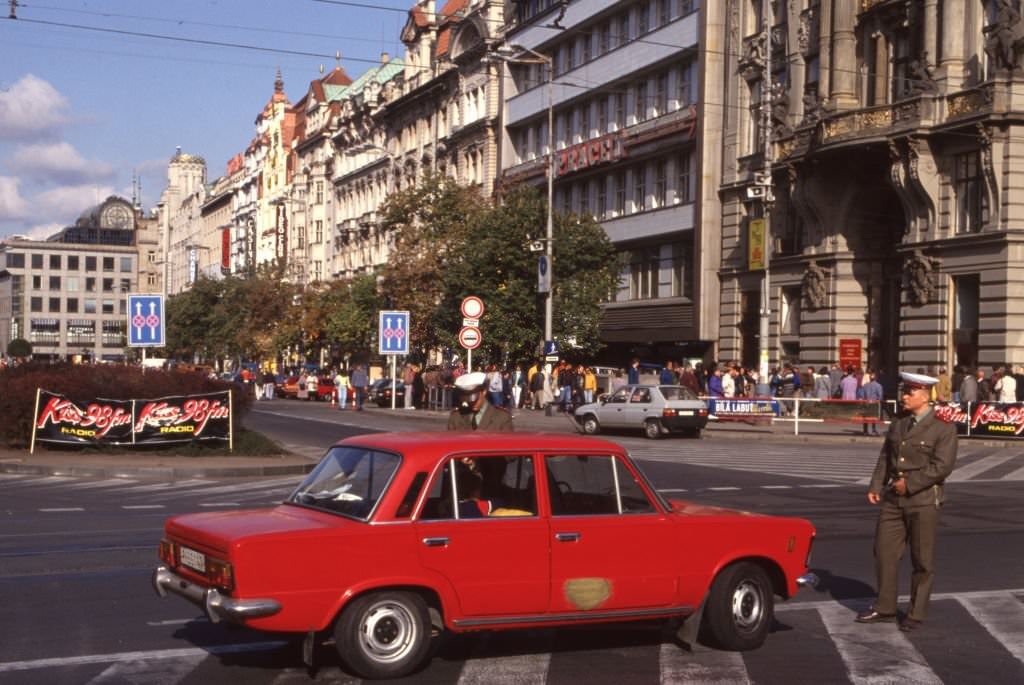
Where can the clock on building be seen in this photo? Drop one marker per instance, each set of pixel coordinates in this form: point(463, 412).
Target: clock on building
point(116, 216)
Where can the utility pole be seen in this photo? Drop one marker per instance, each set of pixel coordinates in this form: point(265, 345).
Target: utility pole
point(765, 181)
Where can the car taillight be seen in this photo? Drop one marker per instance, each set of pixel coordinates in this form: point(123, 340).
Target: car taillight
point(668, 412)
point(167, 553)
point(702, 412)
point(219, 573)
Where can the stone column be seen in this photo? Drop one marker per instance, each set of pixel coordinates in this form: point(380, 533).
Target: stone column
point(844, 56)
point(881, 66)
point(931, 22)
point(951, 71)
point(825, 49)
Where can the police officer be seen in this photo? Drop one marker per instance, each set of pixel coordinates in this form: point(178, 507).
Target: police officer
point(474, 412)
point(918, 455)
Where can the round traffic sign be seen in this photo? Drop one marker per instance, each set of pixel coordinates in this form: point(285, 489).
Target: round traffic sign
point(472, 307)
point(469, 337)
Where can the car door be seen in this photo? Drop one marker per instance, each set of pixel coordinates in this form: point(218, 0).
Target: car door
point(640, 407)
point(480, 528)
point(612, 413)
point(612, 549)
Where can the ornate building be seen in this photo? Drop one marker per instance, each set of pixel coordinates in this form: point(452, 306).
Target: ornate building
point(895, 146)
point(179, 214)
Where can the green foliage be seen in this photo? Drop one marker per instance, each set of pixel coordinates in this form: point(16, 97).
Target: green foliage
point(19, 347)
point(351, 314)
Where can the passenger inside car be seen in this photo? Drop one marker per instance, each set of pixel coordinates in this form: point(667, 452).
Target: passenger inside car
point(471, 505)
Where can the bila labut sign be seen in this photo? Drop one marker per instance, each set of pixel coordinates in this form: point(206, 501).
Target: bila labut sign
point(393, 333)
point(146, 321)
point(132, 422)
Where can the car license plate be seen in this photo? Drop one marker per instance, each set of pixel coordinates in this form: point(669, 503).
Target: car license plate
point(684, 412)
point(193, 559)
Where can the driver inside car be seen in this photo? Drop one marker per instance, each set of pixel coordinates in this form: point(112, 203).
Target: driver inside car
point(471, 504)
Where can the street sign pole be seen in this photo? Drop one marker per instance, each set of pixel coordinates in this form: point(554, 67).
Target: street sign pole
point(394, 382)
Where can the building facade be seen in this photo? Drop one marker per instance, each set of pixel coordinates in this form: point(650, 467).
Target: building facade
point(67, 295)
point(634, 143)
point(179, 213)
point(895, 146)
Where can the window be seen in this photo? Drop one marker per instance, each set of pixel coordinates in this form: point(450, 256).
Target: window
point(71, 284)
point(319, 192)
point(108, 263)
point(971, 201)
point(90, 284)
point(602, 115)
point(37, 282)
point(640, 103)
point(664, 10)
point(73, 263)
point(644, 268)
point(54, 282)
point(620, 193)
point(585, 123)
point(126, 264)
point(593, 485)
point(623, 33)
point(620, 396)
point(37, 261)
point(791, 311)
point(126, 285)
point(660, 94)
point(54, 305)
point(35, 304)
point(660, 184)
point(684, 178)
point(604, 37)
point(90, 306)
point(492, 486)
point(90, 263)
point(684, 94)
point(108, 306)
point(643, 18)
point(620, 110)
point(602, 198)
point(81, 331)
point(72, 304)
point(639, 188)
point(108, 285)
point(586, 48)
point(754, 119)
point(15, 261)
point(55, 262)
point(966, 308)
point(682, 286)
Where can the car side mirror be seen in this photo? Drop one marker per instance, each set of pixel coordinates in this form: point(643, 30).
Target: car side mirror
point(603, 399)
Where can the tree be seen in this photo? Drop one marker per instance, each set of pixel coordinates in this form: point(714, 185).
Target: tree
point(19, 347)
point(351, 314)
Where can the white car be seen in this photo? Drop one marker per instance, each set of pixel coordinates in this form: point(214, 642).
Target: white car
point(657, 410)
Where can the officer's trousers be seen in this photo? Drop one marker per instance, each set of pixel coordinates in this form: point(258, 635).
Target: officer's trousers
point(896, 527)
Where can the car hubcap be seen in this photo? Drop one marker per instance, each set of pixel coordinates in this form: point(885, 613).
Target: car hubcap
point(747, 605)
point(388, 632)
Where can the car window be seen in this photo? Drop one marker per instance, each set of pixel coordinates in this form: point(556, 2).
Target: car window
point(619, 396)
point(411, 494)
point(483, 487)
point(676, 392)
point(641, 395)
point(584, 485)
point(349, 481)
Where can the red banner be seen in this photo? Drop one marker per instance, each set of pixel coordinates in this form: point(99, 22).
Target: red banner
point(989, 419)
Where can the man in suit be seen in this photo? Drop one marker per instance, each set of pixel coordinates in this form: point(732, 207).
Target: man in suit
point(474, 412)
point(918, 455)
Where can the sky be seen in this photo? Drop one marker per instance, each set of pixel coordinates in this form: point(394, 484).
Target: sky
point(82, 110)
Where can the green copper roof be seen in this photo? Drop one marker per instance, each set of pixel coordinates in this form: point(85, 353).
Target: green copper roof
point(334, 93)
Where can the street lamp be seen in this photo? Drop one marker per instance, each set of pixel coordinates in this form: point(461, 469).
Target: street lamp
point(507, 54)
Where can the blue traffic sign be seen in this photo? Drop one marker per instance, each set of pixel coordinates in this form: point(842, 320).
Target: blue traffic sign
point(146, 321)
point(393, 333)
point(550, 347)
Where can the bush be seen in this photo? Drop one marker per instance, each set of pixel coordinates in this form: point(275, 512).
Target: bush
point(19, 347)
point(83, 382)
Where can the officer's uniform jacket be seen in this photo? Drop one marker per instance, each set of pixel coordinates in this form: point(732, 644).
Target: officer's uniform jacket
point(494, 419)
point(923, 455)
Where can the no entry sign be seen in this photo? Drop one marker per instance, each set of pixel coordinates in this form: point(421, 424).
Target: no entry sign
point(472, 307)
point(469, 337)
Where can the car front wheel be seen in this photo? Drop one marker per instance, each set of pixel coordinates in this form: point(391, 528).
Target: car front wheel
point(652, 429)
point(591, 425)
point(740, 607)
point(384, 634)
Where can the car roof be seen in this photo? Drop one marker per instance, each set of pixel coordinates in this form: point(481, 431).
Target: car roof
point(424, 449)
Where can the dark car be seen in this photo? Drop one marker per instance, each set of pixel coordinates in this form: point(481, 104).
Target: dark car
point(380, 392)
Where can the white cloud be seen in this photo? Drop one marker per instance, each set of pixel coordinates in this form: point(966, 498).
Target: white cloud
point(43, 231)
point(31, 108)
point(58, 162)
point(12, 204)
point(66, 203)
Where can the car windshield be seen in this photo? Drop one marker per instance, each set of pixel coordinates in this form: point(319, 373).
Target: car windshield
point(676, 392)
point(348, 481)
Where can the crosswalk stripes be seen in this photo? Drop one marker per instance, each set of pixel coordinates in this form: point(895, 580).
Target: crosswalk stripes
point(701, 667)
point(980, 466)
point(1001, 617)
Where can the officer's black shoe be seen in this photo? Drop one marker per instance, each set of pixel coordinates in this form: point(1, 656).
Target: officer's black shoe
point(872, 616)
point(908, 624)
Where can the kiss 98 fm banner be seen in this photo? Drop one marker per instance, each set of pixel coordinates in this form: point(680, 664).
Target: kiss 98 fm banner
point(164, 420)
point(983, 419)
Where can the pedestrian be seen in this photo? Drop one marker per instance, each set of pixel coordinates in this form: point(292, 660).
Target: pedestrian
point(301, 389)
point(848, 385)
point(409, 381)
point(715, 388)
point(341, 386)
point(268, 384)
point(537, 387)
point(984, 386)
point(729, 383)
point(969, 388)
point(518, 385)
point(1019, 377)
point(633, 377)
point(618, 380)
point(918, 455)
point(589, 384)
point(312, 386)
point(494, 386)
point(835, 377)
point(359, 382)
point(944, 388)
point(1006, 387)
point(871, 391)
point(667, 375)
point(688, 379)
point(823, 385)
point(807, 382)
point(474, 412)
point(957, 380)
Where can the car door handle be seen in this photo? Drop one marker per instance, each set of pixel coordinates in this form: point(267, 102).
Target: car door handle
point(435, 542)
point(567, 537)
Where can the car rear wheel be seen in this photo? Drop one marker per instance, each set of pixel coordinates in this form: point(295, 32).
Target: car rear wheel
point(652, 429)
point(591, 426)
point(740, 607)
point(384, 634)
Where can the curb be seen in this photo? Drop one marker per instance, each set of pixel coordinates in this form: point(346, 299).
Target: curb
point(165, 472)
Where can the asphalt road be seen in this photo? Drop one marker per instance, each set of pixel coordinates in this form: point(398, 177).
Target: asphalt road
point(76, 555)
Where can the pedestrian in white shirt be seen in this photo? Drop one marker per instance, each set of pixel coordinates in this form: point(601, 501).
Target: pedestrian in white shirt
point(729, 383)
point(1006, 386)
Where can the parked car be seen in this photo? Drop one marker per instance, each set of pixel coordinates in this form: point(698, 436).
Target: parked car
point(290, 388)
point(380, 392)
point(480, 531)
point(657, 410)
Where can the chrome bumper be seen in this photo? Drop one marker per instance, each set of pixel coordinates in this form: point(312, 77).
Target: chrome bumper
point(217, 606)
point(807, 580)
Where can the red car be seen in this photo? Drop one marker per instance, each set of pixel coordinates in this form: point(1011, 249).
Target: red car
point(395, 537)
point(324, 388)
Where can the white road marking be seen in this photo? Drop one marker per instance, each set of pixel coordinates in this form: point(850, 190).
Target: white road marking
point(1003, 617)
point(875, 654)
point(822, 485)
point(218, 504)
point(54, 510)
point(723, 488)
point(124, 657)
point(777, 487)
point(673, 490)
point(978, 467)
point(142, 506)
point(701, 667)
point(864, 602)
point(1014, 475)
point(521, 669)
point(144, 672)
point(176, 621)
point(101, 484)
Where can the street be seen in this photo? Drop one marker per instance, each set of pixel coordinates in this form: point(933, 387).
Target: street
point(77, 607)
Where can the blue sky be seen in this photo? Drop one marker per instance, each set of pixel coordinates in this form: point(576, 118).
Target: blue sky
point(79, 110)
